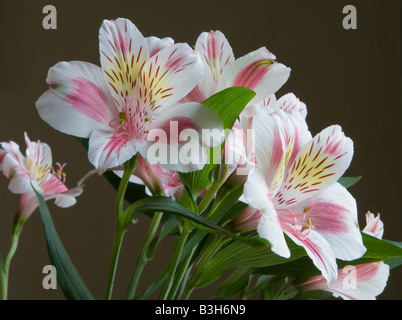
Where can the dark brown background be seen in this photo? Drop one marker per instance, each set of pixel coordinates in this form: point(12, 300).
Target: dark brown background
point(346, 77)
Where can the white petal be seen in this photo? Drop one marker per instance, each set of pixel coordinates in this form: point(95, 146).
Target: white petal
point(269, 228)
point(39, 155)
point(155, 44)
point(375, 226)
point(257, 195)
point(107, 150)
point(78, 100)
point(257, 71)
point(291, 104)
point(320, 252)
point(319, 163)
point(333, 214)
point(169, 76)
point(215, 51)
point(371, 281)
point(270, 147)
point(123, 52)
point(67, 198)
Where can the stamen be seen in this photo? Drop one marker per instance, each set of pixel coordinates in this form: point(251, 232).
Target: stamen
point(122, 116)
point(308, 226)
point(59, 174)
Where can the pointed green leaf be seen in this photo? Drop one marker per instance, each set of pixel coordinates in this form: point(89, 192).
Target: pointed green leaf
point(242, 255)
point(347, 182)
point(234, 283)
point(168, 206)
point(68, 277)
point(377, 250)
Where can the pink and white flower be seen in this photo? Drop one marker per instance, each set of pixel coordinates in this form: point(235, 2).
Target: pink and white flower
point(133, 93)
point(257, 70)
point(35, 169)
point(157, 180)
point(239, 150)
point(293, 190)
point(370, 278)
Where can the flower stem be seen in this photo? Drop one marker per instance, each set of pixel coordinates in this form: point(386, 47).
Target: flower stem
point(175, 261)
point(209, 253)
point(129, 168)
point(118, 240)
point(181, 275)
point(212, 191)
point(142, 259)
point(5, 270)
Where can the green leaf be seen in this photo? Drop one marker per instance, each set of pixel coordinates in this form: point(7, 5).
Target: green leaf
point(377, 250)
point(313, 295)
point(168, 206)
point(380, 249)
point(242, 255)
point(68, 277)
point(1, 264)
point(234, 283)
point(347, 182)
point(227, 104)
point(394, 262)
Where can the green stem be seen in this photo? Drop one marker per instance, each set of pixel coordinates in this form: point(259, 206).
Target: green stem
point(212, 191)
point(207, 256)
point(4, 274)
point(142, 259)
point(175, 261)
point(129, 168)
point(183, 270)
point(118, 240)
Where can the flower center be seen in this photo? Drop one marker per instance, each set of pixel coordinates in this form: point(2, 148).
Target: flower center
point(298, 224)
point(37, 171)
point(133, 120)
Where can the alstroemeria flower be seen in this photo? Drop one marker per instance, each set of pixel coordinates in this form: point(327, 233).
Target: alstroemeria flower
point(294, 190)
point(239, 149)
point(256, 70)
point(157, 180)
point(120, 105)
point(35, 169)
point(359, 282)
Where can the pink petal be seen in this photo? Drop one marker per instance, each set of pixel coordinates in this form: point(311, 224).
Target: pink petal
point(257, 71)
point(108, 149)
point(359, 282)
point(78, 100)
point(375, 226)
point(333, 214)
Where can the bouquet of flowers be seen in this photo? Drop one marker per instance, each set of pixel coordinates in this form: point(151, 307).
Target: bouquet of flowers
point(196, 141)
